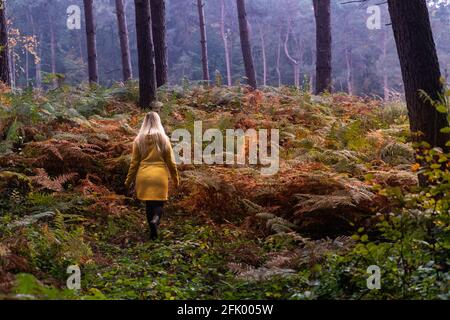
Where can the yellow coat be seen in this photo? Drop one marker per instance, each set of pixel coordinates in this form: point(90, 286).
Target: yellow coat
point(151, 172)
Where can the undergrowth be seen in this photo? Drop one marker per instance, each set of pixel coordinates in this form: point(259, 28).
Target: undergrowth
point(345, 198)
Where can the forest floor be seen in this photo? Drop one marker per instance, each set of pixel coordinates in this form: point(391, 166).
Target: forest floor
point(228, 232)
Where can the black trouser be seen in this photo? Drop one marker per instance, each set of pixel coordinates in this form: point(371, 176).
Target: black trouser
point(154, 211)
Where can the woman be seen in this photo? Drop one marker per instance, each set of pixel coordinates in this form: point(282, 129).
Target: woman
point(151, 163)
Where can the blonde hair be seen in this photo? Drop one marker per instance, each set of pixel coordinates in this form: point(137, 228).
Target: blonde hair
point(152, 128)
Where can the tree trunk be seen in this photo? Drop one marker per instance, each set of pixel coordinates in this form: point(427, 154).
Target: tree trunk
point(4, 63)
point(204, 45)
point(322, 14)
point(349, 63)
point(279, 59)
point(245, 44)
point(37, 60)
point(27, 67)
point(158, 13)
point(146, 54)
point(385, 75)
point(91, 41)
point(53, 51)
point(127, 73)
point(264, 58)
point(420, 69)
point(225, 44)
point(295, 63)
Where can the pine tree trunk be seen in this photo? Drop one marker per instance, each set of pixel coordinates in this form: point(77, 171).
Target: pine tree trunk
point(295, 63)
point(127, 73)
point(420, 69)
point(37, 60)
point(146, 54)
point(158, 12)
point(245, 44)
point(279, 59)
point(225, 44)
point(322, 13)
point(385, 75)
point(4, 63)
point(91, 41)
point(27, 68)
point(38, 64)
point(53, 52)
point(264, 58)
point(203, 41)
point(349, 64)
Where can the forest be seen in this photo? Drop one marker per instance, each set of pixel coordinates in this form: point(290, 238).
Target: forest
point(311, 140)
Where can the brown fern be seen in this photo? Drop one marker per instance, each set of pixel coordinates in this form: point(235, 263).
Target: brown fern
point(44, 181)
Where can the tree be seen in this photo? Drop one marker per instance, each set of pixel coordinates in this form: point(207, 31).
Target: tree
point(124, 41)
point(224, 35)
point(37, 60)
point(420, 69)
point(146, 54)
point(4, 63)
point(91, 41)
point(322, 14)
point(158, 13)
point(203, 41)
point(245, 44)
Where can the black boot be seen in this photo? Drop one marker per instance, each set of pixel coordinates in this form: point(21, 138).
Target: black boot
point(153, 231)
point(154, 213)
point(154, 223)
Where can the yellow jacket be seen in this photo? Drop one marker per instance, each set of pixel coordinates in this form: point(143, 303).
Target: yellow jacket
point(151, 172)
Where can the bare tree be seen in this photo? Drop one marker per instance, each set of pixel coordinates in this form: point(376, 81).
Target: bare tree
point(279, 58)
point(385, 71)
point(224, 35)
point(91, 41)
point(245, 44)
point(420, 69)
point(146, 54)
point(295, 62)
point(322, 12)
point(158, 12)
point(4, 63)
point(203, 41)
point(37, 60)
point(127, 72)
point(264, 55)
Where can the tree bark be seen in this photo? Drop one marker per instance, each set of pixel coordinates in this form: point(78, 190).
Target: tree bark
point(295, 63)
point(12, 64)
point(37, 60)
point(158, 13)
point(279, 59)
point(349, 64)
point(127, 73)
point(385, 75)
point(203, 41)
point(322, 14)
point(264, 58)
point(52, 50)
point(225, 44)
point(27, 67)
point(245, 44)
point(4, 63)
point(420, 69)
point(91, 41)
point(146, 54)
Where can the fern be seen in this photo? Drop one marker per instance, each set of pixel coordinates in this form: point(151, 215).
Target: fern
point(54, 184)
